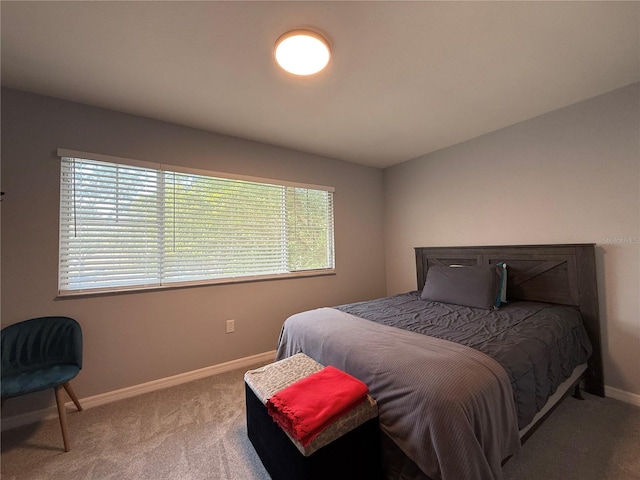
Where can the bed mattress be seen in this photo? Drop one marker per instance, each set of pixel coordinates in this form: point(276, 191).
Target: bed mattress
point(454, 384)
point(538, 344)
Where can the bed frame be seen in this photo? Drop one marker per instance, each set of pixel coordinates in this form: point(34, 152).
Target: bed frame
point(562, 274)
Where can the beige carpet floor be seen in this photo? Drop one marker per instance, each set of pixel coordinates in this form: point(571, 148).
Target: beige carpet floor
point(197, 431)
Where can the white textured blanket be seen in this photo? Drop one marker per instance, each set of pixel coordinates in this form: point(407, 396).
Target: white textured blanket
point(449, 407)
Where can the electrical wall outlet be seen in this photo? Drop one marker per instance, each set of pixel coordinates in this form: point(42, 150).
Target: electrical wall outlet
point(231, 326)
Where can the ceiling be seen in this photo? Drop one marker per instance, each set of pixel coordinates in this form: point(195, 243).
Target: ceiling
point(406, 78)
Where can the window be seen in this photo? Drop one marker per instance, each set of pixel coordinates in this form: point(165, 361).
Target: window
point(135, 225)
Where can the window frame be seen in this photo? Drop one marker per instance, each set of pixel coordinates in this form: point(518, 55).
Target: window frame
point(66, 293)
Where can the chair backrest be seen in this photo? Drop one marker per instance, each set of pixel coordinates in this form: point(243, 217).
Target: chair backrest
point(41, 342)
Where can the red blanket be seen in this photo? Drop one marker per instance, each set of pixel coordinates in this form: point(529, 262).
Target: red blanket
point(307, 406)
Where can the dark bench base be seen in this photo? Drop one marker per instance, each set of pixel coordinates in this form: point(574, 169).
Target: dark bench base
point(354, 456)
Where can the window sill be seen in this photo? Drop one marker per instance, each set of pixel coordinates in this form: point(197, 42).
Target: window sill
point(200, 283)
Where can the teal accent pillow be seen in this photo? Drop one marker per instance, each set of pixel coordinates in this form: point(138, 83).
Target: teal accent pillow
point(502, 295)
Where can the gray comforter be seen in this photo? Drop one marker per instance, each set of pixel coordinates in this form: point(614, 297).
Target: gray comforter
point(538, 344)
point(437, 399)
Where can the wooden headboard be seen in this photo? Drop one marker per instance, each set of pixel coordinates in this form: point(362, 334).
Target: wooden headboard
point(562, 274)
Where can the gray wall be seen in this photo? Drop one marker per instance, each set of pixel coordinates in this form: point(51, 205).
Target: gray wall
point(138, 337)
point(570, 176)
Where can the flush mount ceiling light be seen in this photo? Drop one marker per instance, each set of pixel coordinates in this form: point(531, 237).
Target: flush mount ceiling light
point(302, 52)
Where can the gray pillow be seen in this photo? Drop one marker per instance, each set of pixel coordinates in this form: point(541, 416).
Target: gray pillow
point(477, 286)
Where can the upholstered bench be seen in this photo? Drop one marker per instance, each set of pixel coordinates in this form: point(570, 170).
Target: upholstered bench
point(347, 449)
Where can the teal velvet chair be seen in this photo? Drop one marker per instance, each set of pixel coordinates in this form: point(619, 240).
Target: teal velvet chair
point(42, 353)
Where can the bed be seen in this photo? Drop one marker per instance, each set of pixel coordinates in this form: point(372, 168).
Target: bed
point(460, 387)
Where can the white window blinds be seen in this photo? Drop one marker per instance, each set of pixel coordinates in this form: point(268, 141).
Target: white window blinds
point(132, 227)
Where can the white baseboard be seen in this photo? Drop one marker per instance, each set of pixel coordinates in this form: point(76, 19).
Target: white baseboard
point(622, 395)
point(128, 392)
point(266, 357)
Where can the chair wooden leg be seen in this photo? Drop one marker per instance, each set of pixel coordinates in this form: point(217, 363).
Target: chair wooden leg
point(62, 414)
point(72, 394)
